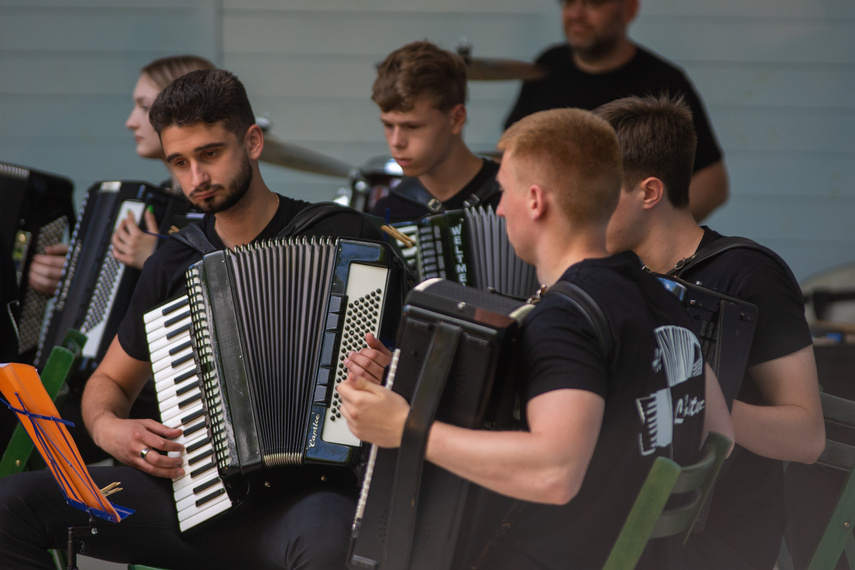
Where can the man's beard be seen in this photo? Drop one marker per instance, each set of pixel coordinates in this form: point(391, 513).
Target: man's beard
point(237, 189)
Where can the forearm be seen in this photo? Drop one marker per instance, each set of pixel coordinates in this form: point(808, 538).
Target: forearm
point(103, 399)
point(516, 464)
point(785, 432)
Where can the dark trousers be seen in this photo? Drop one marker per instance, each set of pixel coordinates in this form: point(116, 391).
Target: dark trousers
point(307, 529)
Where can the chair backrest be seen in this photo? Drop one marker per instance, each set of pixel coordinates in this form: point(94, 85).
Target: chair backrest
point(652, 517)
point(839, 417)
point(62, 358)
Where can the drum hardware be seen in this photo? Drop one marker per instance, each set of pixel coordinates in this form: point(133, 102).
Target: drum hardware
point(369, 183)
point(289, 155)
point(492, 69)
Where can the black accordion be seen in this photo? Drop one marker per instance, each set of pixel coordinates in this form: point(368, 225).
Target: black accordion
point(95, 288)
point(246, 364)
point(39, 209)
point(725, 327)
point(455, 361)
point(470, 247)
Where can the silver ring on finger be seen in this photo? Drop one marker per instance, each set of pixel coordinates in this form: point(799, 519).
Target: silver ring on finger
point(144, 452)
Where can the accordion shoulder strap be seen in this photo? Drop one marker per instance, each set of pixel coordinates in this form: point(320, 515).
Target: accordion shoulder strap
point(720, 246)
point(411, 189)
point(589, 308)
point(194, 236)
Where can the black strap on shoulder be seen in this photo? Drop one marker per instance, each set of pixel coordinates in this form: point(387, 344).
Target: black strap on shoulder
point(720, 246)
point(482, 195)
point(310, 215)
point(192, 235)
point(412, 190)
point(589, 308)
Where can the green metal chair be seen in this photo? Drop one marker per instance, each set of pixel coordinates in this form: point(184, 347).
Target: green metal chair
point(18, 455)
point(649, 518)
point(837, 539)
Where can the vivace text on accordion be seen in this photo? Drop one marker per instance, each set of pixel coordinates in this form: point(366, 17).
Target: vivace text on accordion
point(246, 364)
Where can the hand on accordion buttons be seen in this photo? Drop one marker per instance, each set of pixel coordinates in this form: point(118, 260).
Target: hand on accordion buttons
point(131, 245)
point(371, 361)
point(374, 414)
point(46, 268)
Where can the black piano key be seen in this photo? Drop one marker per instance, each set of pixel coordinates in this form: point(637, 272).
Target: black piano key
point(206, 485)
point(187, 375)
point(200, 457)
point(187, 419)
point(176, 319)
point(194, 398)
point(178, 331)
point(184, 389)
point(202, 469)
point(198, 444)
point(176, 349)
point(182, 360)
point(210, 497)
point(193, 429)
point(175, 306)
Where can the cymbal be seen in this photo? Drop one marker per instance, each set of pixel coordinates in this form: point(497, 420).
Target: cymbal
point(292, 156)
point(492, 69)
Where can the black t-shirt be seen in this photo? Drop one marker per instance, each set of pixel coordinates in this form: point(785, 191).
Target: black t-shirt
point(404, 209)
point(747, 510)
point(163, 273)
point(653, 406)
point(646, 74)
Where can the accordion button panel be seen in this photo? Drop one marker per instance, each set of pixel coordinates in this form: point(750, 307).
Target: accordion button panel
point(106, 288)
point(365, 298)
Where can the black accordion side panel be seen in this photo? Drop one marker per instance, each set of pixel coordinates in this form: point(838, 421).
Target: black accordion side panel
point(39, 209)
point(725, 327)
point(475, 396)
point(471, 247)
point(95, 289)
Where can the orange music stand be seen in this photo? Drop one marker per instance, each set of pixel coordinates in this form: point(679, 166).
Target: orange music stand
point(25, 395)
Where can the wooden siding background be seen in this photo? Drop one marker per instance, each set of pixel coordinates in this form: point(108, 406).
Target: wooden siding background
point(777, 77)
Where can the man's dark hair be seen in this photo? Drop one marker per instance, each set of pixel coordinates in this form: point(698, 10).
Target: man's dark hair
point(657, 138)
point(208, 96)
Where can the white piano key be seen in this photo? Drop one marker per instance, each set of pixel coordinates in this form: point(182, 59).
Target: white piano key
point(213, 510)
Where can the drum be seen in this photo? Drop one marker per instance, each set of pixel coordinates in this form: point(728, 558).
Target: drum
point(371, 182)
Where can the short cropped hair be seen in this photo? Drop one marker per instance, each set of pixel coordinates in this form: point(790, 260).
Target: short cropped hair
point(208, 96)
point(420, 70)
point(657, 138)
point(573, 154)
point(165, 70)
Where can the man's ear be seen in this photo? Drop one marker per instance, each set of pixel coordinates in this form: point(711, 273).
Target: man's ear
point(458, 118)
point(254, 141)
point(536, 202)
point(653, 191)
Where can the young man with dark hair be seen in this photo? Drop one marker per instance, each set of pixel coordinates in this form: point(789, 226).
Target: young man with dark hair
point(776, 413)
point(302, 519)
point(577, 467)
point(421, 92)
point(599, 63)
